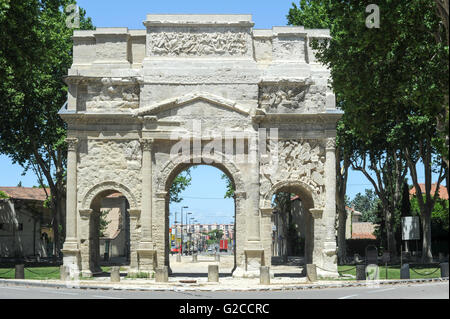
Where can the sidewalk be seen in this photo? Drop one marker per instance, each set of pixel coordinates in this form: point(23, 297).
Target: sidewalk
point(202, 284)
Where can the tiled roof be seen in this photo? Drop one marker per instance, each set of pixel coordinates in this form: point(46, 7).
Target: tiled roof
point(363, 231)
point(352, 210)
point(114, 195)
point(443, 193)
point(25, 193)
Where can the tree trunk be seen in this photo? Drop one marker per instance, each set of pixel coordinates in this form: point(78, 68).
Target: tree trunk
point(342, 247)
point(341, 189)
point(427, 255)
point(390, 234)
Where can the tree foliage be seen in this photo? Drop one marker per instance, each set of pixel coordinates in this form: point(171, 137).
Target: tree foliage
point(229, 193)
point(35, 54)
point(392, 84)
point(179, 184)
point(366, 204)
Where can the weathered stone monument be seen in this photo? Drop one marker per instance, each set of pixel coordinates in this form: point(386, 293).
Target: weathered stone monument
point(144, 105)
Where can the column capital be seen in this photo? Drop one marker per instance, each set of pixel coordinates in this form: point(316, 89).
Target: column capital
point(316, 213)
point(240, 195)
point(72, 143)
point(85, 213)
point(147, 144)
point(134, 212)
point(162, 195)
point(330, 144)
point(266, 211)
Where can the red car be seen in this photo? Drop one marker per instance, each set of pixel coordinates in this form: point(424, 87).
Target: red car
point(175, 250)
point(223, 245)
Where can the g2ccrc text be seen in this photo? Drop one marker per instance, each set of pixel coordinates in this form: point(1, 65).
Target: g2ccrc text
point(227, 308)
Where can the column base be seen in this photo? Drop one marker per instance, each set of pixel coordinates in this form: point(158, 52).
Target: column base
point(327, 274)
point(328, 265)
point(146, 260)
point(72, 261)
point(240, 272)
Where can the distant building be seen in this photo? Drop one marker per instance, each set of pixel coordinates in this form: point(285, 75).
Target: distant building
point(355, 229)
point(115, 240)
point(298, 218)
point(443, 192)
point(25, 224)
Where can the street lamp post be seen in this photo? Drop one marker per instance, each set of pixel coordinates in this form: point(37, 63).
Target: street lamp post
point(195, 234)
point(181, 244)
point(191, 250)
point(187, 229)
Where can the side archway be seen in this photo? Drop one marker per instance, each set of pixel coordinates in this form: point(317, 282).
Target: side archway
point(310, 201)
point(308, 194)
point(106, 188)
point(89, 225)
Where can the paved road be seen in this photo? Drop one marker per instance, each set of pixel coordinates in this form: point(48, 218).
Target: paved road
point(413, 291)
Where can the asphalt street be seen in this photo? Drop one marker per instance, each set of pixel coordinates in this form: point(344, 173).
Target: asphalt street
point(411, 291)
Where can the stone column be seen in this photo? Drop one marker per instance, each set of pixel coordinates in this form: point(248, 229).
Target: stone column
point(329, 244)
point(146, 250)
point(254, 249)
point(240, 233)
point(85, 245)
point(146, 216)
point(317, 240)
point(70, 249)
point(71, 197)
point(266, 234)
point(161, 232)
point(134, 238)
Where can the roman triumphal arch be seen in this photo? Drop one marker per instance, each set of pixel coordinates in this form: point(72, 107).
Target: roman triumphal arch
point(198, 89)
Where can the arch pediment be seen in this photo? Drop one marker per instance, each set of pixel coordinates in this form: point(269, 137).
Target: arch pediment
point(212, 99)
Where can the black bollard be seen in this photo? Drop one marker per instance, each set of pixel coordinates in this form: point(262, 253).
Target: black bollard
point(20, 271)
point(444, 270)
point(360, 272)
point(404, 272)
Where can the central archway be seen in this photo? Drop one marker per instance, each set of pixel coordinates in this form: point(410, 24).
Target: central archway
point(176, 166)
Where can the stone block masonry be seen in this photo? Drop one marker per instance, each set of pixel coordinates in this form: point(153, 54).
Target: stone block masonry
point(136, 98)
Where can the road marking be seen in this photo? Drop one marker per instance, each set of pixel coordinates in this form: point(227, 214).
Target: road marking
point(63, 293)
point(382, 290)
point(106, 297)
point(22, 289)
point(346, 297)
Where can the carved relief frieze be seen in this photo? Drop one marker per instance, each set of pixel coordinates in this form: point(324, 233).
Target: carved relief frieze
point(198, 44)
point(277, 96)
point(110, 94)
point(292, 97)
point(298, 161)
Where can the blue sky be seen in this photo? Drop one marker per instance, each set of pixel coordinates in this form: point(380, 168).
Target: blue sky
point(205, 196)
point(131, 14)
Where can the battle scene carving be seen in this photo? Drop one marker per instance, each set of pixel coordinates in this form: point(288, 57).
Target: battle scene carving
point(198, 44)
point(297, 161)
point(109, 94)
point(281, 96)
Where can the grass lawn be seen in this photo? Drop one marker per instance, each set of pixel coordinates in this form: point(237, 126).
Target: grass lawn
point(393, 272)
point(38, 273)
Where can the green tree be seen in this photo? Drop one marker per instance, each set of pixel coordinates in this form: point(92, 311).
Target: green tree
point(179, 184)
point(392, 86)
point(215, 236)
point(35, 54)
point(366, 204)
point(103, 221)
point(229, 186)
